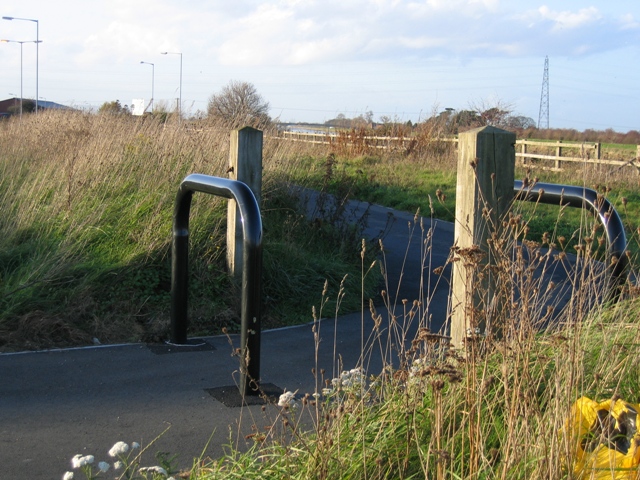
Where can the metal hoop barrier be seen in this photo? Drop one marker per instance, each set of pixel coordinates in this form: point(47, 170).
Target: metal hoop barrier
point(580, 197)
point(251, 268)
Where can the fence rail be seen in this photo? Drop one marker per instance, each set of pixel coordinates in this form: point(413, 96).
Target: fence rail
point(372, 141)
point(531, 153)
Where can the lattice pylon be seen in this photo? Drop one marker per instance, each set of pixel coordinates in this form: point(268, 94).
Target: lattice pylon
point(543, 116)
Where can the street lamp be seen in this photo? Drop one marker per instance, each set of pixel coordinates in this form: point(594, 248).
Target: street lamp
point(37, 50)
point(153, 76)
point(21, 42)
point(180, 100)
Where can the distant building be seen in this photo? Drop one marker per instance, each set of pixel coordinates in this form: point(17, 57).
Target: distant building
point(6, 105)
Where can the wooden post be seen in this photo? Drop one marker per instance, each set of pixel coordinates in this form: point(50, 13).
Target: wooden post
point(484, 192)
point(598, 147)
point(558, 155)
point(245, 165)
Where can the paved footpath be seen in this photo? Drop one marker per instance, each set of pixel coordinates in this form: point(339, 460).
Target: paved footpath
point(56, 404)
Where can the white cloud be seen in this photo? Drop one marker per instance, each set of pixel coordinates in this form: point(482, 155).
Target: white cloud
point(568, 19)
point(297, 32)
point(628, 22)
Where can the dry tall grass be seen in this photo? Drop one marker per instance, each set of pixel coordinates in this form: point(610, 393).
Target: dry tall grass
point(502, 410)
point(87, 200)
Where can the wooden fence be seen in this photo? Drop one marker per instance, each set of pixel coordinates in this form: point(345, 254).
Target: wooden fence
point(531, 153)
point(381, 142)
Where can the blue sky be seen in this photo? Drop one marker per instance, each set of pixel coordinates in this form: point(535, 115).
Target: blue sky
point(315, 59)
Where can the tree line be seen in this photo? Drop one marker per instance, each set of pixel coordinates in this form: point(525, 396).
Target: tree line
point(240, 104)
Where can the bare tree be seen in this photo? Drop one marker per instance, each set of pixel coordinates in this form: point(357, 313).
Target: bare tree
point(239, 104)
point(492, 112)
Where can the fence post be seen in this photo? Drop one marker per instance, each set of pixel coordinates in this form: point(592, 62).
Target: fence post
point(558, 155)
point(598, 147)
point(486, 163)
point(245, 165)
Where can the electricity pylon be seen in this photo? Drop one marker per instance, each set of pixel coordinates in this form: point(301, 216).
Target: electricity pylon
point(543, 116)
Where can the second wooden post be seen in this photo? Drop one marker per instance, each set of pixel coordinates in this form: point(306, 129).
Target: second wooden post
point(484, 192)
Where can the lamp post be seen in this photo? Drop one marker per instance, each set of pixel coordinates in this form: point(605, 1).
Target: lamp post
point(180, 100)
point(37, 49)
point(21, 42)
point(153, 76)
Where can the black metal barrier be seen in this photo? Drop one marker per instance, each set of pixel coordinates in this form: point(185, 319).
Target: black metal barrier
point(554, 194)
point(251, 269)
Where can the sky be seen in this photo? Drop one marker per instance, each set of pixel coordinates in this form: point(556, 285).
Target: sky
point(315, 59)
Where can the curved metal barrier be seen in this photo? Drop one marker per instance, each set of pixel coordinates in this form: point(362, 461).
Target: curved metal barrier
point(580, 197)
point(251, 268)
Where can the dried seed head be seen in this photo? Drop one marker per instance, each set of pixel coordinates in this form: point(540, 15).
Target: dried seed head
point(437, 385)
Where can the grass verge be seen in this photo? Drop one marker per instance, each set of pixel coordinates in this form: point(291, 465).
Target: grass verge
point(87, 205)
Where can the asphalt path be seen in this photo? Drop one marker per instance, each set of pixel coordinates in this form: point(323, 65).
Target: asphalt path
point(58, 403)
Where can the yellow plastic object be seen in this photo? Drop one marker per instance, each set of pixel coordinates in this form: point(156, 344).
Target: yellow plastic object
point(605, 439)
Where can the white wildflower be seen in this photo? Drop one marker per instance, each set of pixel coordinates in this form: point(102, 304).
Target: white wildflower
point(287, 399)
point(67, 476)
point(74, 461)
point(79, 461)
point(118, 449)
point(103, 466)
point(118, 465)
point(327, 391)
point(135, 445)
point(349, 379)
point(159, 470)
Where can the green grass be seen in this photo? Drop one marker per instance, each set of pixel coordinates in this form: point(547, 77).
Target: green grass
point(87, 207)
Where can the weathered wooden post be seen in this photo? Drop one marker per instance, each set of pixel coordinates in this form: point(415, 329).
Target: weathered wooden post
point(245, 165)
point(484, 192)
point(558, 154)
